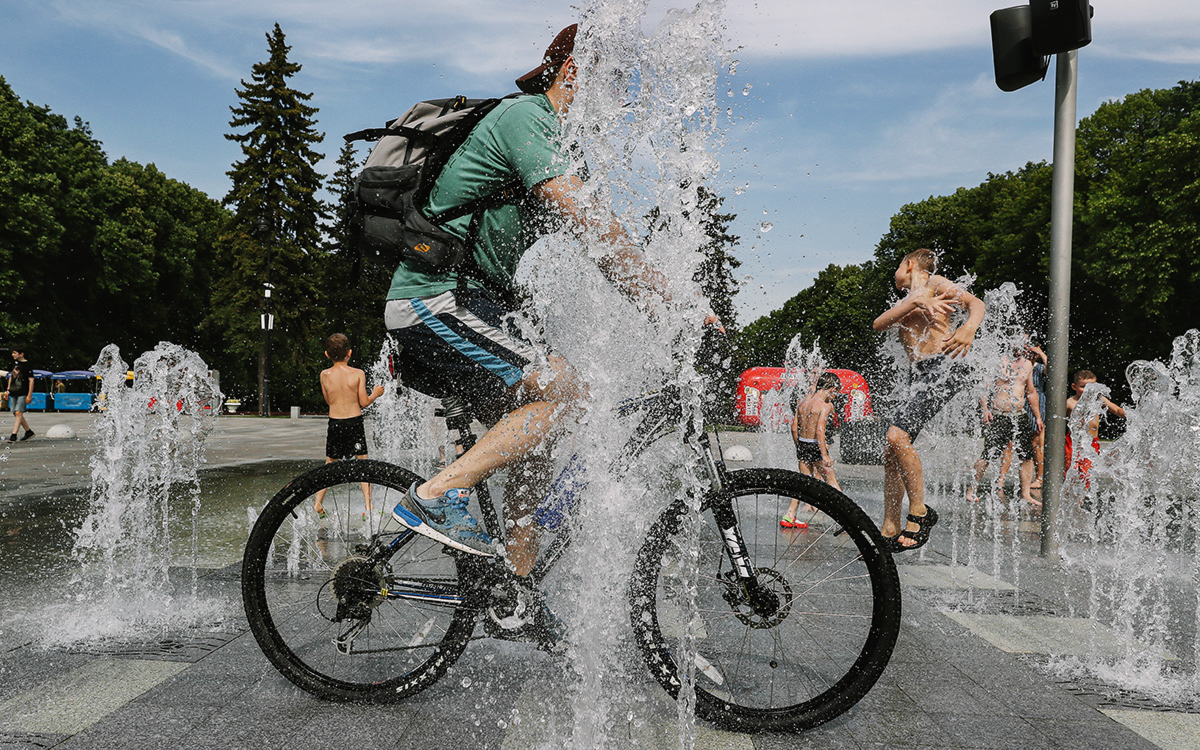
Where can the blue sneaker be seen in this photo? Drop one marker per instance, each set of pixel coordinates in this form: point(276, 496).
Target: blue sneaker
point(444, 519)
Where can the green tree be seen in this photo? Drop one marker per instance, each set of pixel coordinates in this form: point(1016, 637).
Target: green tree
point(274, 235)
point(93, 253)
point(354, 282)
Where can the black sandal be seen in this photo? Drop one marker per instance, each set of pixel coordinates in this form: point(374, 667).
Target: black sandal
point(920, 536)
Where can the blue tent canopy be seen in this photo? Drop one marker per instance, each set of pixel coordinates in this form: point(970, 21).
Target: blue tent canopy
point(42, 373)
point(74, 375)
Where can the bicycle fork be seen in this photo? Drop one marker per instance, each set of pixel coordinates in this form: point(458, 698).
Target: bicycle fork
point(762, 601)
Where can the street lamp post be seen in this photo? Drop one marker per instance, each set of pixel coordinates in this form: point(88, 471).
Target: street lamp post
point(1022, 39)
point(267, 322)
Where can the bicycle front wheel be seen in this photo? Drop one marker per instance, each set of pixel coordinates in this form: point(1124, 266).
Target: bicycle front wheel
point(803, 649)
point(347, 607)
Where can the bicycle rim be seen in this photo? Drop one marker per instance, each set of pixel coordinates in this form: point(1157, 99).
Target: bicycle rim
point(309, 582)
point(796, 665)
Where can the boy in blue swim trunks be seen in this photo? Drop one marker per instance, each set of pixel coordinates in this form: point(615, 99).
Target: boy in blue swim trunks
point(922, 319)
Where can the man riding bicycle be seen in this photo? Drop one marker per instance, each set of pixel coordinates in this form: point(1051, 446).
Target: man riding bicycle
point(454, 337)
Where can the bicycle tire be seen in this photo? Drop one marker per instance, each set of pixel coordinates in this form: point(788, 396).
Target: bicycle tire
point(298, 570)
point(851, 638)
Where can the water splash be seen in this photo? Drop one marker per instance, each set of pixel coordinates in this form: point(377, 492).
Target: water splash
point(1140, 508)
point(145, 484)
point(643, 128)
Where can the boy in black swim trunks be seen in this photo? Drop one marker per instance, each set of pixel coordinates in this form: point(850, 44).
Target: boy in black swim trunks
point(345, 390)
point(808, 432)
point(923, 322)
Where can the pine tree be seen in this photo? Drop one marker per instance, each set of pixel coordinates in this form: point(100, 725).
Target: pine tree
point(274, 236)
point(361, 280)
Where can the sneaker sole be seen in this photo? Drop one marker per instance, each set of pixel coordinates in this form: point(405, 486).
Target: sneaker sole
point(409, 520)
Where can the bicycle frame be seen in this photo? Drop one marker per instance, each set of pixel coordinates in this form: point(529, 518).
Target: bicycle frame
point(660, 411)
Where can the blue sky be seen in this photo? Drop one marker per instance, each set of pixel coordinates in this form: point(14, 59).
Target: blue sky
point(851, 110)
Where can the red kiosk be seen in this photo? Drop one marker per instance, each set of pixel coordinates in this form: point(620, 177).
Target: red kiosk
point(757, 381)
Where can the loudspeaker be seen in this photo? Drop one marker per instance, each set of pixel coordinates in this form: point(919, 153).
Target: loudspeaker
point(1060, 25)
point(1017, 64)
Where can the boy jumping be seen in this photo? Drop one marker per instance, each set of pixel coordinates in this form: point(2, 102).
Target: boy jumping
point(345, 390)
point(808, 432)
point(923, 320)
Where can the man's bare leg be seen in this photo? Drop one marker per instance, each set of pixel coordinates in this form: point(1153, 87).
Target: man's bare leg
point(513, 438)
point(1026, 482)
point(907, 463)
point(527, 484)
point(893, 490)
point(980, 467)
point(319, 504)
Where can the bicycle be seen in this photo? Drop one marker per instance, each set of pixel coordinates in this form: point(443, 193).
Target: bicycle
point(791, 628)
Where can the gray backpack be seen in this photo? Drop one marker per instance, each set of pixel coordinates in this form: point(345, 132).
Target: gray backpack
point(391, 194)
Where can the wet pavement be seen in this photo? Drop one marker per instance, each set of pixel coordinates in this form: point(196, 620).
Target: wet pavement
point(971, 667)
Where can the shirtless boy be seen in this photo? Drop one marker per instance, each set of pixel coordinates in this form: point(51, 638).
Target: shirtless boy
point(345, 390)
point(938, 373)
point(1006, 422)
point(1081, 380)
point(808, 432)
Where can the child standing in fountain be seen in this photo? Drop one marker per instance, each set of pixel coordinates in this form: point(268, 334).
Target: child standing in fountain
point(345, 390)
point(935, 352)
point(808, 432)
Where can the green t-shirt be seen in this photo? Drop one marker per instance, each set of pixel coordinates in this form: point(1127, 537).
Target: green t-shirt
point(517, 139)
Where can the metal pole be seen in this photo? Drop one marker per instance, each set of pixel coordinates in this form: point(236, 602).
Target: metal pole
point(1062, 202)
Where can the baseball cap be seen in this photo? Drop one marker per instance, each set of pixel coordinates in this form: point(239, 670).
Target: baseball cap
point(539, 79)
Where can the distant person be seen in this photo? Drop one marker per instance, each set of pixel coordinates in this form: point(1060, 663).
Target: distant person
point(1082, 379)
point(812, 450)
point(923, 320)
point(1038, 358)
point(1007, 425)
point(20, 391)
point(60, 387)
point(345, 390)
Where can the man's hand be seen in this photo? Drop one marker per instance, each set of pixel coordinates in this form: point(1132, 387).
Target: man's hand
point(377, 392)
point(1040, 426)
point(712, 320)
point(958, 343)
point(940, 304)
point(987, 416)
point(827, 462)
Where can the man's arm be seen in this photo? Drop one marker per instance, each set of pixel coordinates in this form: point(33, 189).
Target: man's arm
point(1112, 407)
point(959, 341)
point(826, 412)
point(1031, 396)
point(623, 264)
point(365, 399)
point(940, 304)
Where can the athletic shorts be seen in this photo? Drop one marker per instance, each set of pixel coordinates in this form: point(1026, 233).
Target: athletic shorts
point(17, 402)
point(808, 451)
point(459, 345)
point(1004, 428)
point(935, 380)
point(346, 438)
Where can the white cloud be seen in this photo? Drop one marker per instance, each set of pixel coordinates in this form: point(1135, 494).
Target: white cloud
point(876, 28)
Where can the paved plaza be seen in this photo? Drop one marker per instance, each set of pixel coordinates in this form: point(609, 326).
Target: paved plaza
point(962, 676)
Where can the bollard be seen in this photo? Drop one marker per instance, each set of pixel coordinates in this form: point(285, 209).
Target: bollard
point(295, 412)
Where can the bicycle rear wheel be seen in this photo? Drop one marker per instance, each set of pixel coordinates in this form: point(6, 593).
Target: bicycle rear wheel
point(335, 610)
point(809, 656)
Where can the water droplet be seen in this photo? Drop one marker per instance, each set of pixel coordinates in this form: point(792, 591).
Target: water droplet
point(466, 682)
point(746, 91)
point(765, 227)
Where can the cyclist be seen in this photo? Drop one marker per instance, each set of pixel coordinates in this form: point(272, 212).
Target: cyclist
point(453, 333)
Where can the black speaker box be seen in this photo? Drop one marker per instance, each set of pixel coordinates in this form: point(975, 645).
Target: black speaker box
point(1017, 64)
point(1060, 25)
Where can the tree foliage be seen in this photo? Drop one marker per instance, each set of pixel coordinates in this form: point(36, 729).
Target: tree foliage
point(1135, 276)
point(93, 253)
